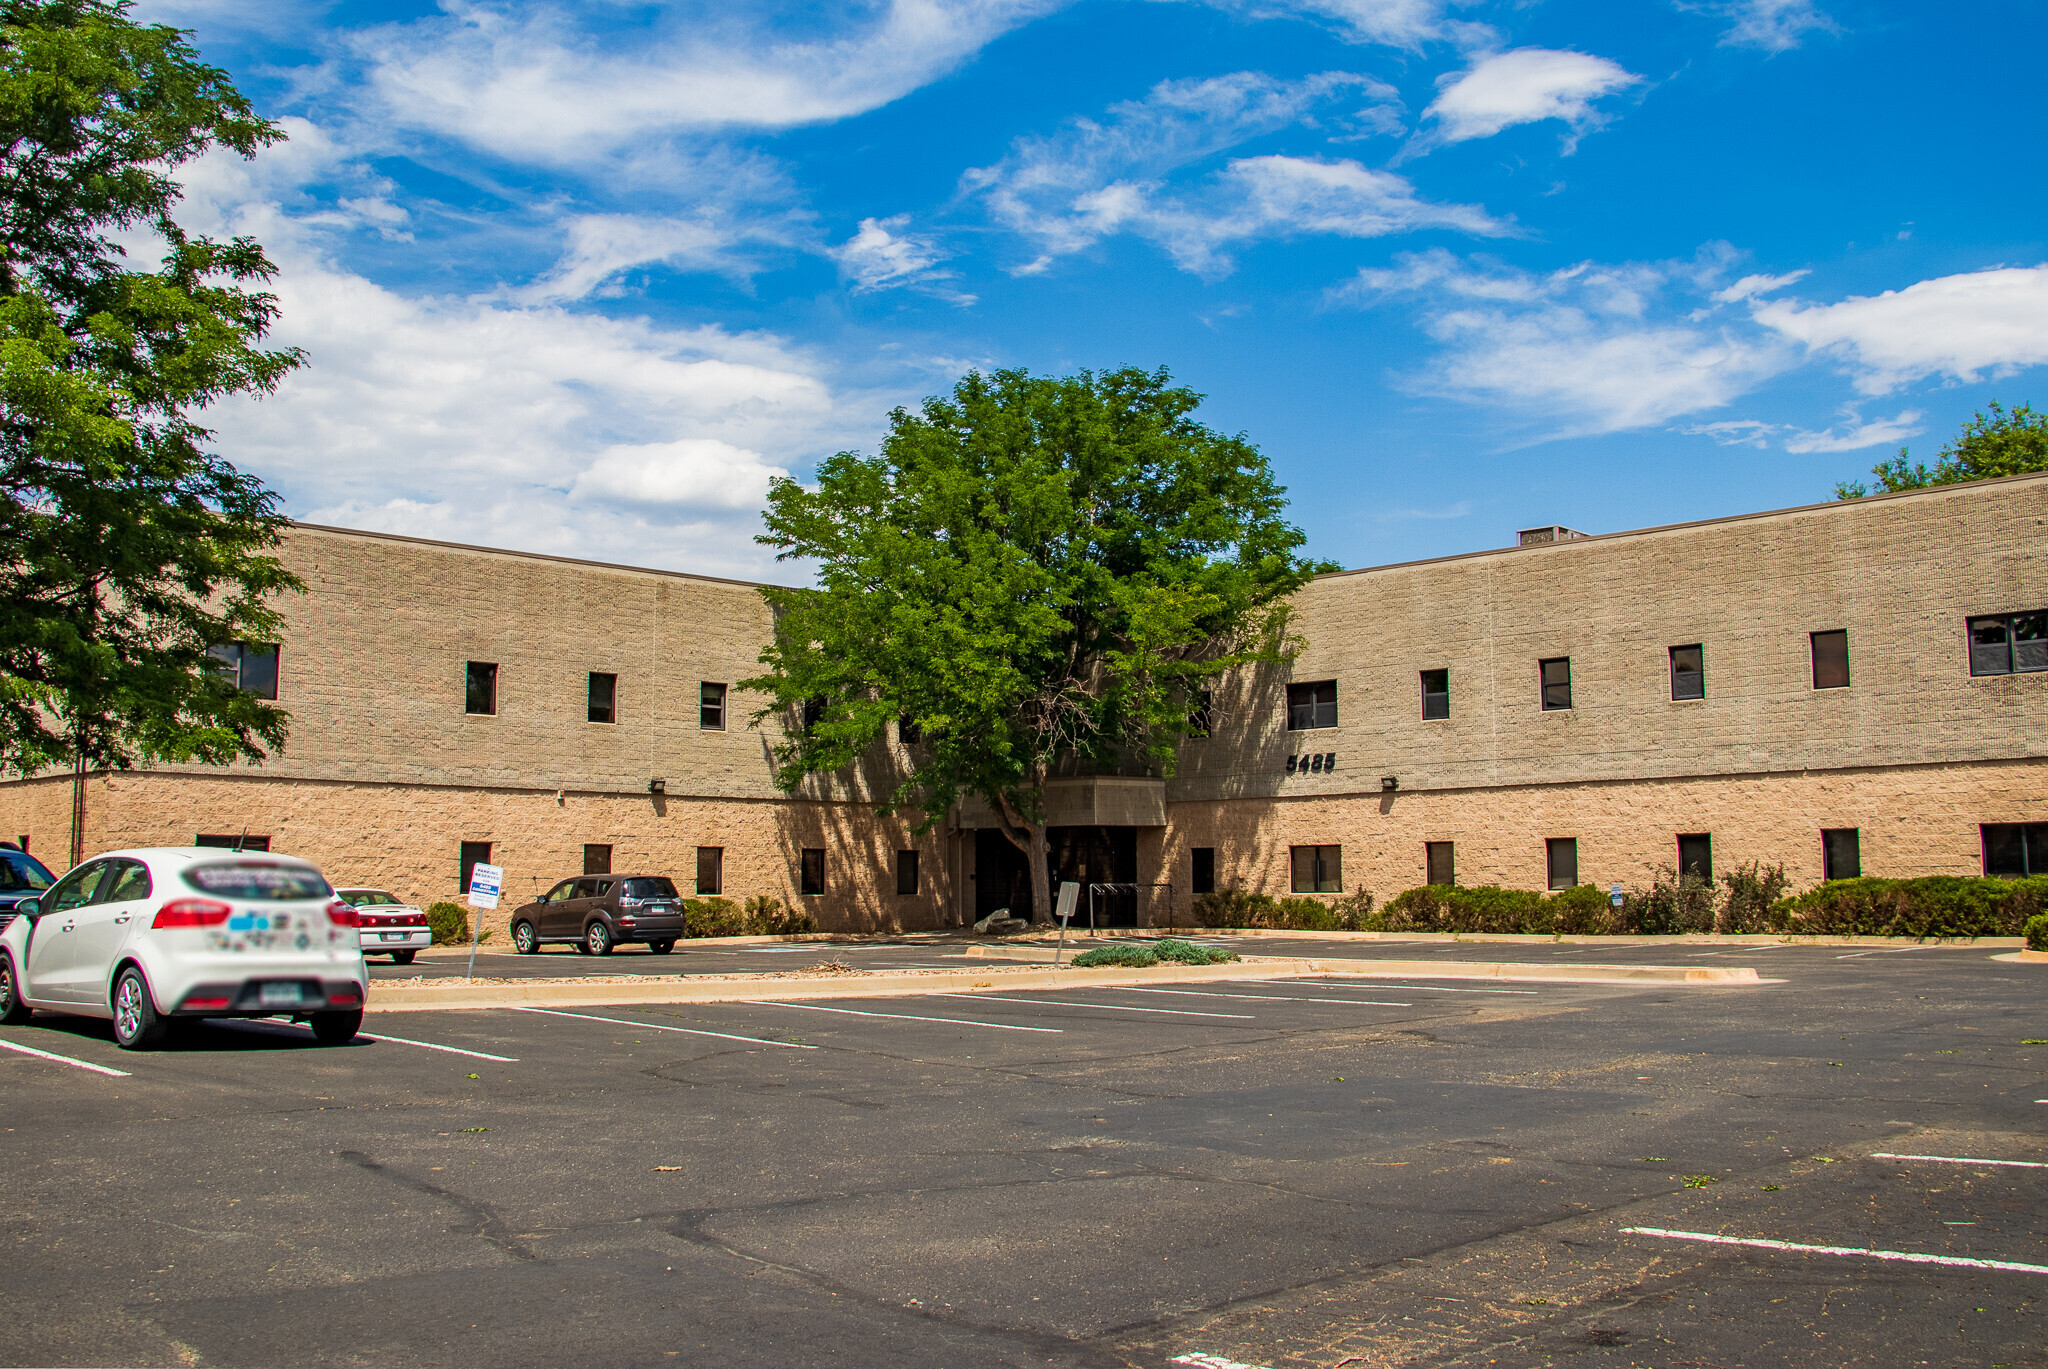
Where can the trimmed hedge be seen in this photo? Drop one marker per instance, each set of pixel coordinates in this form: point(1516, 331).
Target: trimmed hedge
point(761, 916)
point(1940, 905)
point(2036, 932)
point(1235, 908)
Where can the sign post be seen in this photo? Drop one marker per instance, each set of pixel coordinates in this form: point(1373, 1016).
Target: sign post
point(1070, 894)
point(485, 882)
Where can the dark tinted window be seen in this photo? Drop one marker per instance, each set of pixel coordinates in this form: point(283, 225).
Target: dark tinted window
point(813, 711)
point(230, 841)
point(1841, 853)
point(257, 879)
point(1436, 694)
point(654, 887)
point(1561, 857)
point(604, 697)
point(75, 890)
point(1205, 870)
point(2015, 849)
point(2012, 643)
point(20, 872)
point(367, 898)
point(710, 869)
point(1317, 869)
point(1202, 717)
point(1688, 672)
point(1557, 683)
point(811, 872)
point(250, 666)
point(1830, 660)
point(711, 707)
point(471, 855)
point(597, 860)
point(128, 883)
point(479, 691)
point(1311, 705)
point(1440, 860)
point(906, 872)
point(1696, 855)
point(908, 732)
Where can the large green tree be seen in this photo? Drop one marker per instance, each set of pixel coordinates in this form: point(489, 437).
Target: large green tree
point(1994, 444)
point(1032, 571)
point(127, 548)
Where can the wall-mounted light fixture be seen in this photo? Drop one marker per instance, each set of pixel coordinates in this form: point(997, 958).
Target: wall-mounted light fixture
point(1389, 783)
point(657, 786)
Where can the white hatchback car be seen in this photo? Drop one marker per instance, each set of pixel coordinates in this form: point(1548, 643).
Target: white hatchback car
point(389, 927)
point(149, 937)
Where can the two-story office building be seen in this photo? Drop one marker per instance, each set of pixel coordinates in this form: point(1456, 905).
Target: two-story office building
point(1849, 687)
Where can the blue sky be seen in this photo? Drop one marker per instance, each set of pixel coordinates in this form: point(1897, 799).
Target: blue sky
point(581, 278)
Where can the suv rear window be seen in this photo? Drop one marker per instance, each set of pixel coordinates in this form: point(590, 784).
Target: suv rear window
point(251, 879)
point(20, 871)
point(648, 888)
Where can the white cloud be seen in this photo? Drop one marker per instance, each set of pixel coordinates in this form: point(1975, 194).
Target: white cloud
point(1962, 327)
point(881, 256)
point(693, 472)
point(1750, 432)
point(1772, 25)
point(1524, 86)
point(601, 246)
point(1398, 23)
point(1749, 287)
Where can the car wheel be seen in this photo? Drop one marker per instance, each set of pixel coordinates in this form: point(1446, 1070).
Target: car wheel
point(337, 1028)
point(403, 957)
point(13, 1012)
point(524, 939)
point(597, 939)
point(138, 1026)
point(661, 947)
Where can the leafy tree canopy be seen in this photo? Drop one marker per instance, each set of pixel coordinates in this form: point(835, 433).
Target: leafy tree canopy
point(126, 548)
point(1999, 443)
point(1032, 571)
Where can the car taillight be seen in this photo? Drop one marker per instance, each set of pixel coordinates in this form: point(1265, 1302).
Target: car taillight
point(343, 995)
point(343, 914)
point(191, 912)
point(206, 1002)
point(411, 920)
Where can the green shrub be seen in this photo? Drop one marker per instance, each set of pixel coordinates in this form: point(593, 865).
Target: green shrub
point(1673, 905)
point(1122, 955)
point(1455, 908)
point(2036, 932)
point(766, 916)
point(449, 922)
point(1938, 906)
point(1297, 912)
point(1753, 890)
point(1187, 953)
point(713, 917)
point(1583, 910)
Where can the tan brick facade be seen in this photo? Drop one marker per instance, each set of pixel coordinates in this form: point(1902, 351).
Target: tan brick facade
point(385, 775)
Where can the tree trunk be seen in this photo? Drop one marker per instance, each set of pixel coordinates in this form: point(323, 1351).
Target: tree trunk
point(1041, 878)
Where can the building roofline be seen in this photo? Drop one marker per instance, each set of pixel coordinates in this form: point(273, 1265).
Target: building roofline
point(1586, 539)
point(532, 555)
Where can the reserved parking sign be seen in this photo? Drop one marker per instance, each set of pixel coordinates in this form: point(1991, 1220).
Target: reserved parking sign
point(484, 883)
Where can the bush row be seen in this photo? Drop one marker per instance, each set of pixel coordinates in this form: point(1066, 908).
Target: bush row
point(1750, 899)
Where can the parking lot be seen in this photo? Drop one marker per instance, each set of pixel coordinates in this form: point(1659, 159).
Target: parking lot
point(1330, 1171)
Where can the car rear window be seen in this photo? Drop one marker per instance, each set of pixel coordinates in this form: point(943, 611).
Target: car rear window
point(257, 879)
point(648, 888)
point(368, 898)
point(21, 871)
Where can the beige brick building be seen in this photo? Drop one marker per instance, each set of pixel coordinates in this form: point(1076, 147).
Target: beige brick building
point(1715, 692)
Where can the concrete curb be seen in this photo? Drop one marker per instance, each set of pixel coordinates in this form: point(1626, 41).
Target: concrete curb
point(385, 997)
point(1532, 939)
point(2028, 957)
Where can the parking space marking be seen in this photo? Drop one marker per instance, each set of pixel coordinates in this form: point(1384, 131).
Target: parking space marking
point(67, 1060)
point(661, 1027)
point(1274, 997)
point(1105, 1007)
point(1959, 1160)
point(901, 1016)
point(432, 1046)
point(1794, 1247)
point(1431, 988)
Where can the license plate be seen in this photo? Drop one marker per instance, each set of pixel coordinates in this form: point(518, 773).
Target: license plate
point(394, 936)
point(280, 995)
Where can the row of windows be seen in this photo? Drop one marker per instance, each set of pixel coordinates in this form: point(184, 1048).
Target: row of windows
point(480, 696)
point(597, 860)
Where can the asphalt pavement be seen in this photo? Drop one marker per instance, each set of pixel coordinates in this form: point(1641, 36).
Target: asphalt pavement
point(1846, 1168)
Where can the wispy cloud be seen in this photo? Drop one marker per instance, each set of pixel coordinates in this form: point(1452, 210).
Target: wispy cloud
point(1773, 26)
point(1525, 86)
point(1855, 436)
point(882, 256)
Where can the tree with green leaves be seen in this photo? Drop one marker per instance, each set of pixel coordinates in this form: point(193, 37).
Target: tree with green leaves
point(1032, 572)
point(127, 548)
point(1990, 445)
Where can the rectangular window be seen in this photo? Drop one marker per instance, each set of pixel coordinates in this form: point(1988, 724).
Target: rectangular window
point(1436, 694)
point(2015, 849)
point(813, 712)
point(474, 853)
point(1317, 869)
point(479, 693)
point(1688, 672)
point(1841, 853)
point(1557, 683)
point(1202, 718)
point(908, 733)
point(711, 707)
point(604, 698)
point(906, 872)
point(1205, 870)
point(1311, 705)
point(811, 872)
point(249, 666)
point(244, 842)
point(1440, 862)
point(2012, 643)
point(597, 860)
point(1561, 857)
point(1830, 660)
point(1696, 855)
point(710, 870)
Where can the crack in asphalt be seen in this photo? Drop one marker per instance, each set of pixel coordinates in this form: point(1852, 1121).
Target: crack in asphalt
point(489, 1226)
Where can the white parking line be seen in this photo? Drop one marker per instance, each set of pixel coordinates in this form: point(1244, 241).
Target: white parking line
point(1431, 988)
point(659, 1027)
point(1959, 1160)
point(1890, 950)
point(900, 1016)
point(67, 1060)
point(1274, 997)
point(431, 1046)
point(1105, 1007)
point(1903, 1256)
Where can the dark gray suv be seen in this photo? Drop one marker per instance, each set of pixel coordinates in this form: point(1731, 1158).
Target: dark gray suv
point(598, 912)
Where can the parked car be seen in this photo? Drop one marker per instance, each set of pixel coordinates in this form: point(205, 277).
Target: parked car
point(598, 912)
point(21, 876)
point(389, 927)
point(148, 938)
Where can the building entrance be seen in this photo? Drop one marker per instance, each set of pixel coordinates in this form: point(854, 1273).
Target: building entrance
point(1084, 855)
